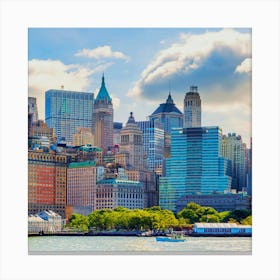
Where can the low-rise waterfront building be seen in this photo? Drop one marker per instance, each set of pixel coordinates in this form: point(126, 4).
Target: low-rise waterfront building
point(221, 229)
point(45, 221)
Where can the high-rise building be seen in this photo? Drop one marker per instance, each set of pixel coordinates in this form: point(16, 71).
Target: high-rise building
point(235, 150)
point(168, 115)
point(102, 119)
point(192, 108)
point(65, 111)
point(132, 144)
point(47, 182)
point(153, 140)
point(195, 166)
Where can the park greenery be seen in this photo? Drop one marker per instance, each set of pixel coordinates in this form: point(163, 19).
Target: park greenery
point(155, 218)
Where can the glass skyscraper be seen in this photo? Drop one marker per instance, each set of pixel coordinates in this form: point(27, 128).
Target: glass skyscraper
point(65, 111)
point(195, 166)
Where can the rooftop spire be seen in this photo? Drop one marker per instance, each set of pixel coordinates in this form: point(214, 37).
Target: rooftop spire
point(131, 118)
point(103, 94)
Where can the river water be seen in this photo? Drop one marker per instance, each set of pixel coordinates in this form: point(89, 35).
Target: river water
point(137, 245)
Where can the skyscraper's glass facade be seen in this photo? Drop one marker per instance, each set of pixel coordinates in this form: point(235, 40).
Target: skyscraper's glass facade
point(195, 165)
point(65, 111)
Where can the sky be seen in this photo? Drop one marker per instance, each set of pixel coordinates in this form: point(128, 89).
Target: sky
point(141, 65)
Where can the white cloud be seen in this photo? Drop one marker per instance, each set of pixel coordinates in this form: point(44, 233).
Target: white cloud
point(52, 74)
point(245, 66)
point(189, 54)
point(116, 101)
point(102, 52)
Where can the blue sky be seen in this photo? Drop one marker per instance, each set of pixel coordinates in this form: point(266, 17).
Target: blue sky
point(139, 64)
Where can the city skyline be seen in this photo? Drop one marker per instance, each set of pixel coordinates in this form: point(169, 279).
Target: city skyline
point(141, 66)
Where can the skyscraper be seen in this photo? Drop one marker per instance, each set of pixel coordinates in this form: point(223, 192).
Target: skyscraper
point(132, 144)
point(168, 115)
point(102, 119)
point(153, 140)
point(196, 165)
point(65, 111)
point(235, 150)
point(192, 108)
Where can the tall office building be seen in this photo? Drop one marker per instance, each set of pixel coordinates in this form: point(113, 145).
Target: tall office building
point(132, 145)
point(102, 119)
point(235, 150)
point(195, 166)
point(192, 108)
point(153, 140)
point(168, 115)
point(65, 111)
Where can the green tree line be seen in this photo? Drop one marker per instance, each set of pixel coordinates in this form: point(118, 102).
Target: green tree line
point(155, 218)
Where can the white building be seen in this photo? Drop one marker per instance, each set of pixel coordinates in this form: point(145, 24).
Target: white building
point(221, 229)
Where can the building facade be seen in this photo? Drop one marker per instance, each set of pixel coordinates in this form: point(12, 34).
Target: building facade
point(83, 137)
point(153, 141)
point(195, 166)
point(132, 145)
point(220, 202)
point(235, 150)
point(81, 185)
point(65, 111)
point(47, 182)
point(32, 109)
point(102, 119)
point(192, 108)
point(120, 191)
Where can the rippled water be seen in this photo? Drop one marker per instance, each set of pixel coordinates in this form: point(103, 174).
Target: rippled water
point(137, 245)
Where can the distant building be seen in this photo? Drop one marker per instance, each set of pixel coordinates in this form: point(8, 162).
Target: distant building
point(114, 192)
point(235, 150)
point(102, 119)
point(117, 133)
point(192, 108)
point(222, 229)
point(45, 221)
point(153, 140)
point(83, 137)
point(32, 109)
point(195, 166)
point(81, 186)
point(168, 115)
point(132, 145)
point(220, 202)
point(65, 111)
point(47, 182)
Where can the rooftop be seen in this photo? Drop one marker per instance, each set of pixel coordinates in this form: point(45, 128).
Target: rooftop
point(167, 107)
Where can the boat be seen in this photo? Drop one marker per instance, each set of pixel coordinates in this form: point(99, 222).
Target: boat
point(170, 239)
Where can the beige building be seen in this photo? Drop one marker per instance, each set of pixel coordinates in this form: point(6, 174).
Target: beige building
point(83, 137)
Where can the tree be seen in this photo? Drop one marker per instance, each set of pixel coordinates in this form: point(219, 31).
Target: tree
point(211, 218)
point(247, 221)
point(79, 222)
point(188, 214)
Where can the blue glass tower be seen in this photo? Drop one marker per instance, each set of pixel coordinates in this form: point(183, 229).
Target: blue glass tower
point(195, 166)
point(65, 111)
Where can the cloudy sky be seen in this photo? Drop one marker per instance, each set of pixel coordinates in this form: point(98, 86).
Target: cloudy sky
point(140, 63)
